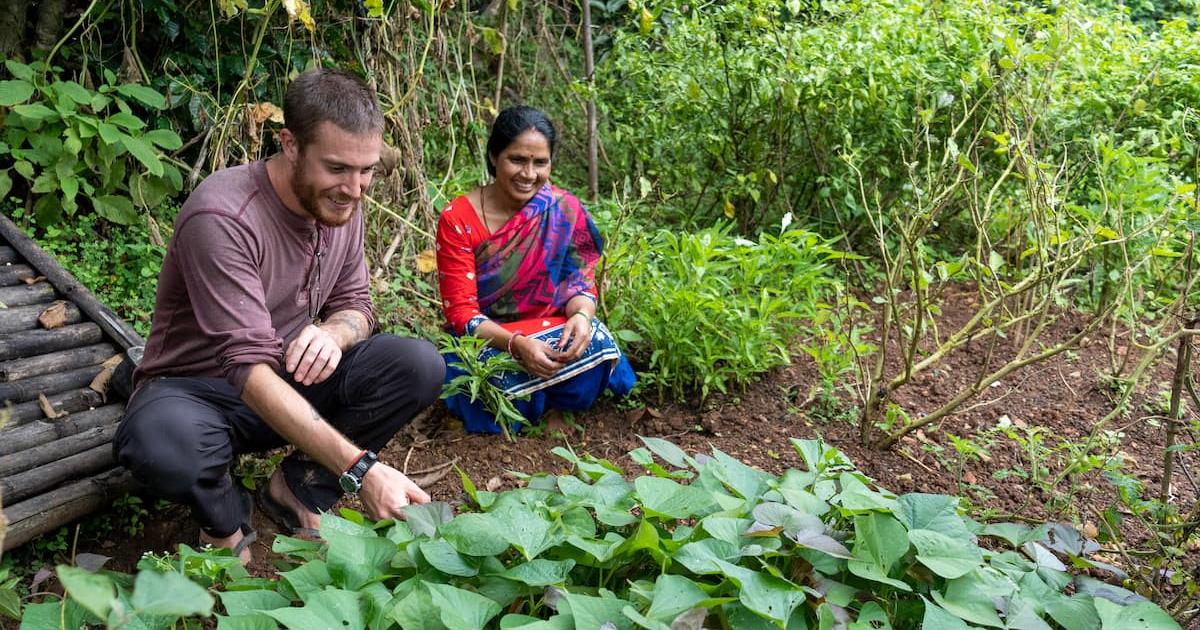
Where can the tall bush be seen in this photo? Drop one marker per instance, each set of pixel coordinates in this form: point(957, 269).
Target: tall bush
point(708, 311)
point(75, 146)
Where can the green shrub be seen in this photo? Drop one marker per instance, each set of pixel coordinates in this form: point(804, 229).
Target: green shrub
point(71, 143)
point(735, 548)
point(120, 266)
point(707, 310)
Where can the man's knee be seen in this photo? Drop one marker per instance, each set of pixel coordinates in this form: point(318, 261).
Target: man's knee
point(428, 369)
point(414, 363)
point(158, 457)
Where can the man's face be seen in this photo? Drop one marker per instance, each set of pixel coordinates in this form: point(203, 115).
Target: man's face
point(333, 171)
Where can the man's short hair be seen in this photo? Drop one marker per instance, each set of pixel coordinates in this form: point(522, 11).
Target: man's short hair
point(330, 94)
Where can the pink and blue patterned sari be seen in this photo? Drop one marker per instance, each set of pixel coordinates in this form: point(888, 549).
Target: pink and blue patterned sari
point(539, 259)
point(526, 272)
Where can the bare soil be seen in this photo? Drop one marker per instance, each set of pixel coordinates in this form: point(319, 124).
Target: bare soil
point(1065, 396)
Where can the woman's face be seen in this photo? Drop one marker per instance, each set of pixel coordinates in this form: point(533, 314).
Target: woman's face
point(523, 167)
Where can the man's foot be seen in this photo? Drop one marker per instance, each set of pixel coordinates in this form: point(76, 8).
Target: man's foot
point(280, 503)
point(239, 542)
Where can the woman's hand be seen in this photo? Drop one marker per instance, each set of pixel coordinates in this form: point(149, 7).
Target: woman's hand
point(576, 335)
point(537, 356)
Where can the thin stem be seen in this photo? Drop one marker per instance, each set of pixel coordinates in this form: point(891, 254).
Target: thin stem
point(82, 18)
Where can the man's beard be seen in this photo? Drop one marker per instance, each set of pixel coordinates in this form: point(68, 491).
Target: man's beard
point(310, 200)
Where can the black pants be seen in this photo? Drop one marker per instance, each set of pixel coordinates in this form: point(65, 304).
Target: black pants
point(180, 434)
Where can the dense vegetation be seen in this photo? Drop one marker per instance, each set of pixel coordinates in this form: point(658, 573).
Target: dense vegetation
point(775, 177)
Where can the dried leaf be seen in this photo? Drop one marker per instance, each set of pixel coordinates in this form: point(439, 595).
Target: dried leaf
point(48, 409)
point(380, 285)
point(99, 384)
point(264, 111)
point(634, 415)
point(32, 279)
point(692, 619)
point(298, 10)
point(41, 576)
point(54, 316)
point(654, 412)
point(91, 561)
point(426, 261)
point(493, 484)
point(389, 157)
point(425, 481)
point(156, 238)
point(130, 72)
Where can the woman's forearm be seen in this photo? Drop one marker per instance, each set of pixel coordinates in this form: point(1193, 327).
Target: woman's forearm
point(496, 335)
point(580, 304)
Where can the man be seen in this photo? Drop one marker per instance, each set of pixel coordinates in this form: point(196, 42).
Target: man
point(261, 334)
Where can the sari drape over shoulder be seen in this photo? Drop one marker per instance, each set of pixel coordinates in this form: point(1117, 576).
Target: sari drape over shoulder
point(539, 259)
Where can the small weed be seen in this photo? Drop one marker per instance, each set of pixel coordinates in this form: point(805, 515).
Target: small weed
point(252, 470)
point(829, 407)
point(476, 383)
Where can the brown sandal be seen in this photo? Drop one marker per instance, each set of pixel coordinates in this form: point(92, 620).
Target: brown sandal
point(283, 516)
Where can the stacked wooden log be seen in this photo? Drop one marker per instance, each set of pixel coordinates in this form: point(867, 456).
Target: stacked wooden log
point(56, 461)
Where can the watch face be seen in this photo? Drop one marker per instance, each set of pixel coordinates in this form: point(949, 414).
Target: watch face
point(349, 483)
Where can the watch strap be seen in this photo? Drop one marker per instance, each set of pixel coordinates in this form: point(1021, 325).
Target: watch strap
point(358, 470)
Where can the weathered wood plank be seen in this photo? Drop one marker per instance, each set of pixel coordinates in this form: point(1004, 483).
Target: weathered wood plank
point(17, 439)
point(17, 369)
point(71, 401)
point(37, 456)
point(24, 294)
point(11, 275)
point(33, 517)
point(19, 318)
point(23, 485)
point(66, 284)
point(48, 384)
point(33, 342)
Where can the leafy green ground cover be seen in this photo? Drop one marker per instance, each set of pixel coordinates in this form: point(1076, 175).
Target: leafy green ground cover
point(699, 541)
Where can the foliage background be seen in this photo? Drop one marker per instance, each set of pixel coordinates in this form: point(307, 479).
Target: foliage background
point(873, 153)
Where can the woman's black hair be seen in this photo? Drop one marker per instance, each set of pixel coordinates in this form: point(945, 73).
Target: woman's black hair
point(513, 122)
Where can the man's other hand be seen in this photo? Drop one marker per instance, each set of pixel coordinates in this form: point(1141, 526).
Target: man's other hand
point(312, 356)
point(386, 492)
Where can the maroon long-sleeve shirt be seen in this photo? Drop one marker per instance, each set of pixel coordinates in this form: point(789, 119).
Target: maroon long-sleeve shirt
point(238, 277)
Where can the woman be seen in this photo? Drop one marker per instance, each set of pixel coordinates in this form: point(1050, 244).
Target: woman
point(516, 266)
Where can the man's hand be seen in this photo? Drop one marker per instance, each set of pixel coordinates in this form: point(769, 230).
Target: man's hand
point(386, 492)
point(312, 356)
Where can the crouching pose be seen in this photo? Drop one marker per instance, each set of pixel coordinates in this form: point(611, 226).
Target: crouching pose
point(516, 266)
point(261, 334)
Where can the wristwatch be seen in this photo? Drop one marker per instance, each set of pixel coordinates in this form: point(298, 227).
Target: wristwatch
point(352, 480)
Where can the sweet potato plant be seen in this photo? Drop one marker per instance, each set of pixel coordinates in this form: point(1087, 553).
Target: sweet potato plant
point(699, 541)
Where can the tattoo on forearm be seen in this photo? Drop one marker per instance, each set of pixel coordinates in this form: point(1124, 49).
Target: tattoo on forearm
point(358, 328)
